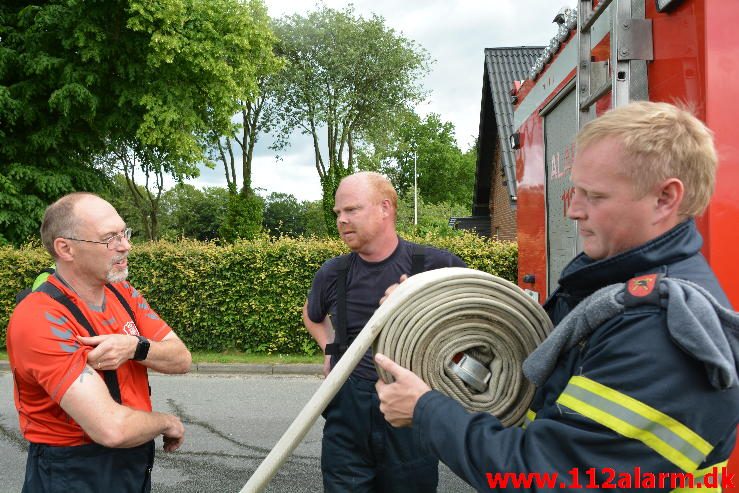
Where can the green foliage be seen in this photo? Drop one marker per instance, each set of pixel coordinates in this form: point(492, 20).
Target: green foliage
point(187, 212)
point(201, 59)
point(243, 219)
point(329, 184)
point(499, 258)
point(255, 116)
point(445, 173)
point(18, 269)
point(119, 196)
point(84, 81)
point(246, 296)
point(46, 111)
point(432, 218)
point(248, 357)
point(192, 213)
point(283, 215)
point(315, 224)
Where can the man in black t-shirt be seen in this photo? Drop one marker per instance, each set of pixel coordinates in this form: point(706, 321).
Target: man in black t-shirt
point(360, 451)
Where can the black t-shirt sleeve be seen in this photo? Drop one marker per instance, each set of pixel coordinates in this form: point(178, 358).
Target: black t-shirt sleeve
point(457, 262)
point(318, 294)
point(438, 259)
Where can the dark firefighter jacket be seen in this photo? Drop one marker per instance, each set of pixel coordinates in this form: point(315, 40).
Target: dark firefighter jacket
point(624, 403)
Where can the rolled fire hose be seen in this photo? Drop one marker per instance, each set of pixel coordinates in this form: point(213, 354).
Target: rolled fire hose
point(463, 331)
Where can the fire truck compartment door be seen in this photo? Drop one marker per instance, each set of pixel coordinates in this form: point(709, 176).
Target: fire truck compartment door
point(560, 128)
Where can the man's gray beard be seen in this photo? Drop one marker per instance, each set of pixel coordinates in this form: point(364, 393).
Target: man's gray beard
point(119, 277)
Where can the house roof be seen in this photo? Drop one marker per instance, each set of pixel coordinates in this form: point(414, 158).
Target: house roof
point(502, 67)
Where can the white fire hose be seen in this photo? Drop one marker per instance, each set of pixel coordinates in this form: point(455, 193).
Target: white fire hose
point(463, 331)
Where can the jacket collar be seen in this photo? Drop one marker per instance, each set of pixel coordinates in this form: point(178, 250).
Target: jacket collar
point(584, 274)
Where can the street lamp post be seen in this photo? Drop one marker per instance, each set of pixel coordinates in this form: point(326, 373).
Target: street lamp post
point(415, 186)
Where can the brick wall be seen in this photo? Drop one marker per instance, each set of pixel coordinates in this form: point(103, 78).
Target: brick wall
point(502, 217)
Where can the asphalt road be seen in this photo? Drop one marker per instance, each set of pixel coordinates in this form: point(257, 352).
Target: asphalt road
point(231, 424)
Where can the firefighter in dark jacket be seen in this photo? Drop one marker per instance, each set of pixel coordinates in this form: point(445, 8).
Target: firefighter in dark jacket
point(629, 406)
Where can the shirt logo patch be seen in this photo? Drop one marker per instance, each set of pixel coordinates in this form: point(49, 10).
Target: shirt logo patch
point(642, 286)
point(130, 328)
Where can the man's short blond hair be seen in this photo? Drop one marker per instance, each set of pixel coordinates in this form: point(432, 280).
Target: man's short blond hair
point(660, 141)
point(381, 185)
point(60, 220)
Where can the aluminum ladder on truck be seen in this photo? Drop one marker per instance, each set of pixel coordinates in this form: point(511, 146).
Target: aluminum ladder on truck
point(625, 73)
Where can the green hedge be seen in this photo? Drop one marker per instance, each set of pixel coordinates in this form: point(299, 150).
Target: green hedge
point(247, 296)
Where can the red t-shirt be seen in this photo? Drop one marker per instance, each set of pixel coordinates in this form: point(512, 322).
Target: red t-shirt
point(46, 358)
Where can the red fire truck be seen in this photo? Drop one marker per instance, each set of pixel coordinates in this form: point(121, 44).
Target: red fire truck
point(607, 53)
point(684, 51)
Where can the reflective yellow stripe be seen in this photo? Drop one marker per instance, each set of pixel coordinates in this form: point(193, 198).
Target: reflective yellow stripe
point(633, 419)
point(530, 416)
point(698, 478)
point(702, 472)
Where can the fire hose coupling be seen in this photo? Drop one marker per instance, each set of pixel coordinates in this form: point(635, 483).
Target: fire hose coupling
point(471, 371)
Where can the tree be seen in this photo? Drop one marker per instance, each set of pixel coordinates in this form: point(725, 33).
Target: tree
point(192, 213)
point(130, 160)
point(315, 222)
point(347, 75)
point(232, 44)
point(445, 173)
point(84, 82)
point(283, 214)
point(119, 196)
point(243, 218)
point(255, 116)
point(45, 115)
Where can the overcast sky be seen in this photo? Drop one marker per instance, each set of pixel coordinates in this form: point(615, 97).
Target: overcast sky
point(454, 32)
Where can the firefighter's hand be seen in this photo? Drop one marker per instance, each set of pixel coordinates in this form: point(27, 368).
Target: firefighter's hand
point(326, 365)
point(392, 287)
point(111, 350)
point(398, 399)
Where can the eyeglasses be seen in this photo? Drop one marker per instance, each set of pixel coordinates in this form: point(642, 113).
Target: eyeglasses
point(112, 242)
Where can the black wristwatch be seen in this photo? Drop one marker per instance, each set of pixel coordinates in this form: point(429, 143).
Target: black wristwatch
point(142, 349)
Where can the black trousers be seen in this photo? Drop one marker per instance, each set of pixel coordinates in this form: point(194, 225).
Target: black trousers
point(361, 452)
point(88, 468)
